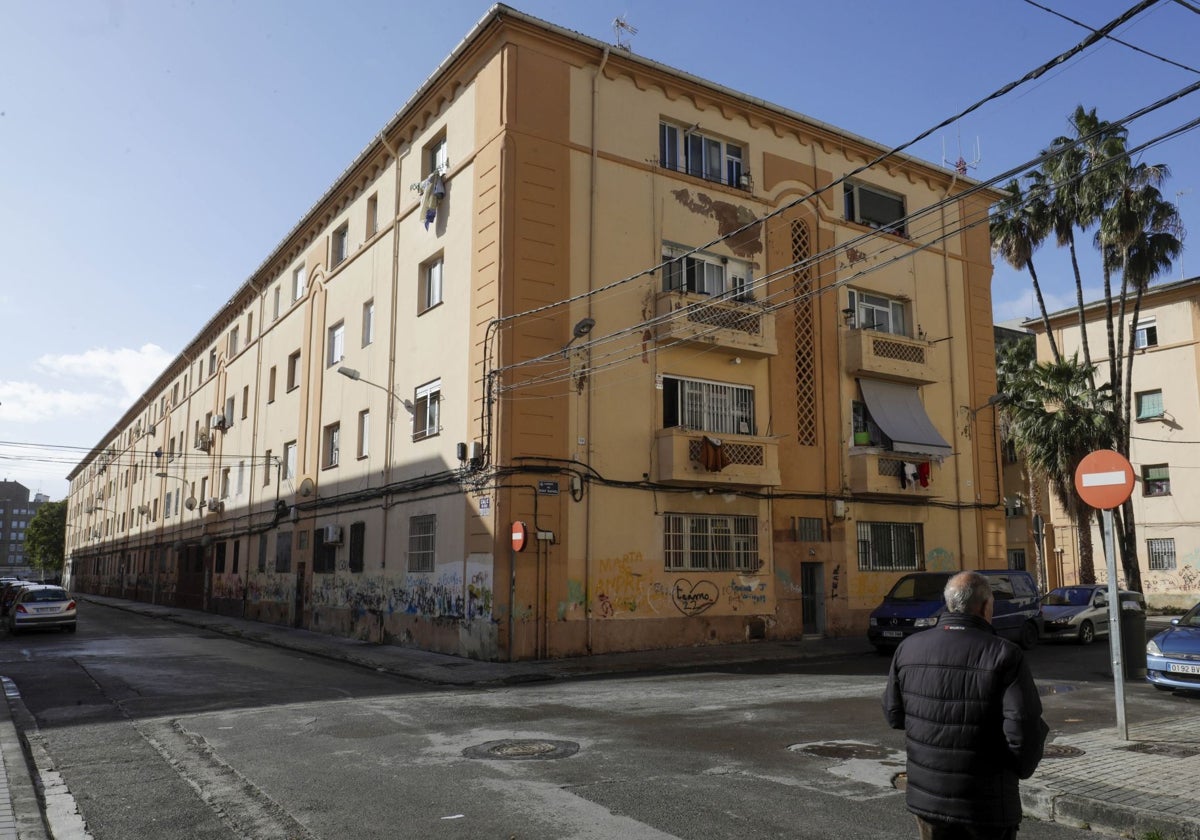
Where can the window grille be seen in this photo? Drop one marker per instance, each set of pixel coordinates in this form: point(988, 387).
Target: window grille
point(422, 543)
point(809, 529)
point(708, 406)
point(1161, 554)
point(700, 542)
point(889, 547)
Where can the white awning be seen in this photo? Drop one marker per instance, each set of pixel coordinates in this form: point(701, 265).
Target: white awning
point(896, 408)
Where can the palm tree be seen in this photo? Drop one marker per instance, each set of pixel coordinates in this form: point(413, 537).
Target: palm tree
point(1015, 361)
point(1019, 225)
point(1056, 416)
point(1140, 234)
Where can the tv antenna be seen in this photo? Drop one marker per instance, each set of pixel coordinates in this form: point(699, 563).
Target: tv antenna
point(1179, 194)
point(962, 165)
point(623, 29)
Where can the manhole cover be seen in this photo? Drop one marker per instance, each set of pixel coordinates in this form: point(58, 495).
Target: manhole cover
point(1170, 750)
point(1061, 751)
point(522, 749)
point(842, 749)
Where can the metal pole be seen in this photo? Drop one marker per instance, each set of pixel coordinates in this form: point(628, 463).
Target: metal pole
point(1114, 623)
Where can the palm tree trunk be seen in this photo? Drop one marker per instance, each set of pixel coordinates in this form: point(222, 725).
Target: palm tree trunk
point(1037, 291)
point(1083, 527)
point(1083, 336)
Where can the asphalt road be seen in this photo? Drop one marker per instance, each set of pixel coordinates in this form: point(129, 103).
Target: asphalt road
point(163, 731)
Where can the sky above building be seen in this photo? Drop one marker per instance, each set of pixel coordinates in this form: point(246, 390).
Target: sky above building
point(153, 154)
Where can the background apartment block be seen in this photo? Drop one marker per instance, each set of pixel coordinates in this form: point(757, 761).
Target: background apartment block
point(1165, 409)
point(636, 317)
point(16, 512)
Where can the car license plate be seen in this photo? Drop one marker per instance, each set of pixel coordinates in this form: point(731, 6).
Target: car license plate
point(1183, 669)
point(893, 634)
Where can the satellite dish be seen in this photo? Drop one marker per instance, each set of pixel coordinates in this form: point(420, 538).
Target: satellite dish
point(190, 503)
point(307, 488)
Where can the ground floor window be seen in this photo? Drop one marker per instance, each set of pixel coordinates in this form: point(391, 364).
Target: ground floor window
point(711, 543)
point(889, 547)
point(1162, 554)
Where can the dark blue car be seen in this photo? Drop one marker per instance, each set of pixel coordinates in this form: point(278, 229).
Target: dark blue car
point(1173, 656)
point(915, 603)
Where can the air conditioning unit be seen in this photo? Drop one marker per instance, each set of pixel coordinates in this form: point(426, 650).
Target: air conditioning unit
point(203, 441)
point(333, 535)
point(218, 422)
point(214, 504)
point(151, 430)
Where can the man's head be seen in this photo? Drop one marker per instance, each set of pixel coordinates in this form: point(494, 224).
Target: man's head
point(969, 593)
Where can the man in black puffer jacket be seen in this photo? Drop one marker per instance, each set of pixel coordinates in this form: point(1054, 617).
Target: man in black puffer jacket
point(972, 719)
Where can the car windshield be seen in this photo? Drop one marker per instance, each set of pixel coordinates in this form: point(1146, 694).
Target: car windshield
point(1068, 596)
point(919, 588)
point(46, 595)
point(1191, 618)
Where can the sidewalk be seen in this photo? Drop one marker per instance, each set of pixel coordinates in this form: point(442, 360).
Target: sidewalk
point(1090, 779)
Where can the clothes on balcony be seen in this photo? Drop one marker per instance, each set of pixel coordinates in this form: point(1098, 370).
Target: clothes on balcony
point(713, 456)
point(433, 190)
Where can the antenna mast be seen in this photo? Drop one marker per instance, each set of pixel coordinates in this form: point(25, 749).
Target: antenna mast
point(622, 29)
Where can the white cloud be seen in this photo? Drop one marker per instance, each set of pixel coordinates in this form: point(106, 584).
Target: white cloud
point(131, 370)
point(28, 402)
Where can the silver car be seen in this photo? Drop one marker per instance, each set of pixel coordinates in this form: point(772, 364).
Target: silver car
point(42, 606)
point(1080, 613)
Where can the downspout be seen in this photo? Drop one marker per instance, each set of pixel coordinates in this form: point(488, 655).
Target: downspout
point(950, 331)
point(587, 453)
point(390, 414)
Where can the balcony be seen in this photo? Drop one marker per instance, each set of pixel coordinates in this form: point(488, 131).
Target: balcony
point(887, 356)
point(746, 460)
point(742, 327)
point(879, 473)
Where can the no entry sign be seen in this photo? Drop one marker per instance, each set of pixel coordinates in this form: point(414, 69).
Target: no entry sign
point(520, 535)
point(1104, 479)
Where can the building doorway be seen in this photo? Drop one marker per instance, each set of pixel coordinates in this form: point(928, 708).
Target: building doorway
point(812, 598)
point(298, 615)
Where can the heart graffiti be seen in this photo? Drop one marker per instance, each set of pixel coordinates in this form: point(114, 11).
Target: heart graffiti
point(694, 598)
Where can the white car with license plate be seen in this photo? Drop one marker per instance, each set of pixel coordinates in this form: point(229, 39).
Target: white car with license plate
point(39, 605)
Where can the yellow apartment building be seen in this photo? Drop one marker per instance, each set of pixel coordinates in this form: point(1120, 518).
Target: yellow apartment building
point(1164, 411)
point(716, 378)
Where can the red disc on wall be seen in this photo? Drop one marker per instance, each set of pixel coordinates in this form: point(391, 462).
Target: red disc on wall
point(520, 536)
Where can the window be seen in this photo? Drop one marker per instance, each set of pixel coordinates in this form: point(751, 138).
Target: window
point(340, 246)
point(233, 342)
point(372, 214)
point(230, 410)
point(708, 406)
point(271, 385)
point(283, 551)
point(219, 558)
point(330, 444)
point(237, 552)
point(324, 554)
point(1162, 554)
point(889, 547)
point(874, 208)
point(358, 539)
point(293, 371)
point(808, 528)
point(700, 542)
point(431, 284)
point(225, 483)
point(241, 478)
point(703, 156)
point(336, 350)
point(275, 305)
point(245, 401)
point(288, 467)
point(1149, 405)
point(267, 469)
point(262, 553)
point(167, 505)
point(426, 412)
point(299, 283)
point(368, 323)
point(437, 157)
point(249, 327)
point(422, 542)
point(212, 361)
point(1016, 558)
point(705, 274)
point(1145, 333)
point(1156, 480)
point(876, 312)
point(364, 432)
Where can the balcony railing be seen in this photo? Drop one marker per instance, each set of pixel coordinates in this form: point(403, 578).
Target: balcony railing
point(873, 472)
point(742, 326)
point(888, 356)
point(740, 460)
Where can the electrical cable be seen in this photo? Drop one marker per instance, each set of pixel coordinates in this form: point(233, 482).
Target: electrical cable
point(1113, 38)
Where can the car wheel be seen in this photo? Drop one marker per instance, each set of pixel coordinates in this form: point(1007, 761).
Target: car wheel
point(1087, 633)
point(1029, 636)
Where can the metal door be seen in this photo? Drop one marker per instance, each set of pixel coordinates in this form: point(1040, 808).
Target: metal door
point(298, 616)
point(812, 598)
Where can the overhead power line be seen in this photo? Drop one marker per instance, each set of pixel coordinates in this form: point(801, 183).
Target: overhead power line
point(1113, 38)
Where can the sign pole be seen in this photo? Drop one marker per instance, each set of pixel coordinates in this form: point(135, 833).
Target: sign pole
point(1114, 623)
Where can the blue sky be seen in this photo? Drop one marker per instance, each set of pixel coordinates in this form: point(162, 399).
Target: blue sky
point(154, 152)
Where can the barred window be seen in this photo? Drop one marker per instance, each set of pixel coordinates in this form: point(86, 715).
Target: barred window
point(708, 406)
point(698, 542)
point(358, 538)
point(889, 547)
point(1162, 554)
point(808, 528)
point(283, 551)
point(422, 542)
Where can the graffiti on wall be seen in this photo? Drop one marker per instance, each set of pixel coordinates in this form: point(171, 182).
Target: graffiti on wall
point(940, 560)
point(618, 586)
point(1185, 577)
point(693, 598)
point(750, 594)
point(837, 575)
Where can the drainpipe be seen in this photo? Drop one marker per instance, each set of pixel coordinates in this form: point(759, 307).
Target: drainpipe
point(390, 414)
point(587, 502)
point(950, 331)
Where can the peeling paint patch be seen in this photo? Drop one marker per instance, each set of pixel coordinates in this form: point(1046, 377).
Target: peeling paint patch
point(729, 217)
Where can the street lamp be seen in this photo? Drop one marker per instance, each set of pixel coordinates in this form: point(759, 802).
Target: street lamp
point(190, 501)
point(352, 373)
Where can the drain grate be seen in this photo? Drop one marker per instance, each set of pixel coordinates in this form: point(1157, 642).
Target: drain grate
point(522, 749)
point(1061, 751)
point(1169, 750)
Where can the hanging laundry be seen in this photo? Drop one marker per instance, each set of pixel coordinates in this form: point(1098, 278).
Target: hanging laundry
point(923, 473)
point(908, 474)
point(712, 454)
point(433, 190)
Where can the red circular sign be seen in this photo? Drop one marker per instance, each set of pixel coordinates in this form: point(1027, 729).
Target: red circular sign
point(520, 535)
point(1104, 479)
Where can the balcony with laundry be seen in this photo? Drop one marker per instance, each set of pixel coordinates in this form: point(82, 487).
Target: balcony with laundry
point(895, 449)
